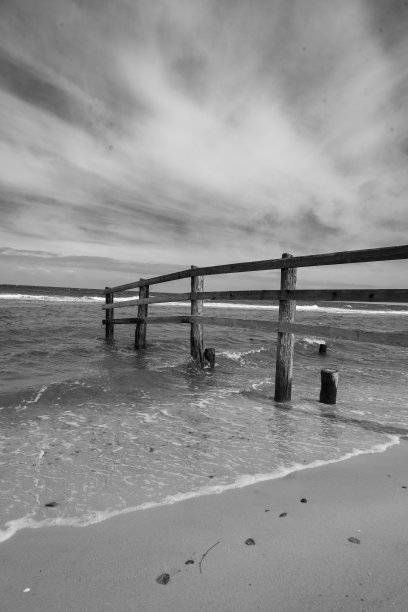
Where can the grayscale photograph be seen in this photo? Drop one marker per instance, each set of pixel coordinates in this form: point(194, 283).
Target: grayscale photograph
point(203, 305)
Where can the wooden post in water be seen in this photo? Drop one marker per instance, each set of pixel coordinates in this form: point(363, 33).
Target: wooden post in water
point(196, 333)
point(209, 355)
point(329, 382)
point(140, 333)
point(286, 341)
point(109, 314)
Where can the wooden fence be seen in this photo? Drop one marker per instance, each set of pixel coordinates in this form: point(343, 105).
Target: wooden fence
point(287, 296)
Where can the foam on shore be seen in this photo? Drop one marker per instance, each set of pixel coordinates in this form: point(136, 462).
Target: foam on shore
point(28, 521)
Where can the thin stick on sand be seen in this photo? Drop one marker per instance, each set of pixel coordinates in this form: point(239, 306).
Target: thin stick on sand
point(206, 552)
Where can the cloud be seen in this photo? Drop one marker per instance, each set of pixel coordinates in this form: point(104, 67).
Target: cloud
point(202, 132)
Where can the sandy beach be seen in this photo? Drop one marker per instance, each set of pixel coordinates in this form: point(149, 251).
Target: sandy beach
point(257, 548)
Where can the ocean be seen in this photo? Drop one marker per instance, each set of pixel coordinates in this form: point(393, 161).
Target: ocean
point(90, 429)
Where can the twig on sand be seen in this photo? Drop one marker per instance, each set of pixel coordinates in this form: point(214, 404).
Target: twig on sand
point(206, 552)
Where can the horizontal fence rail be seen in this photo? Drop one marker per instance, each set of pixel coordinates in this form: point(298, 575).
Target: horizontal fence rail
point(323, 259)
point(355, 335)
point(341, 333)
point(300, 295)
point(287, 297)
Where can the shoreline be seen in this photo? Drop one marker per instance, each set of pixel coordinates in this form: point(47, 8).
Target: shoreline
point(240, 483)
point(301, 558)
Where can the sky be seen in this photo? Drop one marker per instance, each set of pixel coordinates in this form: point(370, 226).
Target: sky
point(140, 137)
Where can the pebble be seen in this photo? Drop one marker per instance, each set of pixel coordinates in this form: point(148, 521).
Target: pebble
point(303, 500)
point(283, 514)
point(51, 504)
point(250, 542)
point(354, 540)
point(163, 578)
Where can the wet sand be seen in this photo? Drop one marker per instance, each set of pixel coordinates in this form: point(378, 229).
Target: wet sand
point(344, 547)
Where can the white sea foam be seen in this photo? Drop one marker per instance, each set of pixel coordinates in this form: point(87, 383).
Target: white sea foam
point(238, 355)
point(50, 298)
point(241, 306)
point(148, 418)
point(311, 341)
point(29, 522)
point(23, 405)
point(347, 309)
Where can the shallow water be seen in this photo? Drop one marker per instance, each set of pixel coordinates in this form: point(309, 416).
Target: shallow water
point(97, 428)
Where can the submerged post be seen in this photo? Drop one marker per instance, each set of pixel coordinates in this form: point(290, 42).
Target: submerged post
point(140, 333)
point(109, 313)
point(329, 382)
point(286, 342)
point(196, 333)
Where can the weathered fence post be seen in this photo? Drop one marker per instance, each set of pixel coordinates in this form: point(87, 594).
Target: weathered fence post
point(140, 333)
point(109, 314)
point(286, 341)
point(196, 333)
point(322, 349)
point(329, 382)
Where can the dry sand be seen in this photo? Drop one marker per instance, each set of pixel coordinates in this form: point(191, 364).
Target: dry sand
point(301, 561)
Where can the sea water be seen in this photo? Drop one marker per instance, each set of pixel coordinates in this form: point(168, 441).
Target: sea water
point(90, 429)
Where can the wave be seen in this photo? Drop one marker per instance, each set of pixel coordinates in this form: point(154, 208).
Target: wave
point(23, 405)
point(29, 522)
point(238, 355)
point(347, 309)
point(50, 298)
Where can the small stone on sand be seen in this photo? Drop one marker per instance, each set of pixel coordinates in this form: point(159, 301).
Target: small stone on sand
point(283, 514)
point(250, 542)
point(163, 578)
point(303, 500)
point(51, 504)
point(354, 540)
point(189, 562)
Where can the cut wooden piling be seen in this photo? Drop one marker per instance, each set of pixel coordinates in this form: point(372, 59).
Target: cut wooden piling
point(329, 382)
point(109, 326)
point(322, 349)
point(209, 355)
point(196, 333)
point(140, 332)
point(286, 341)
